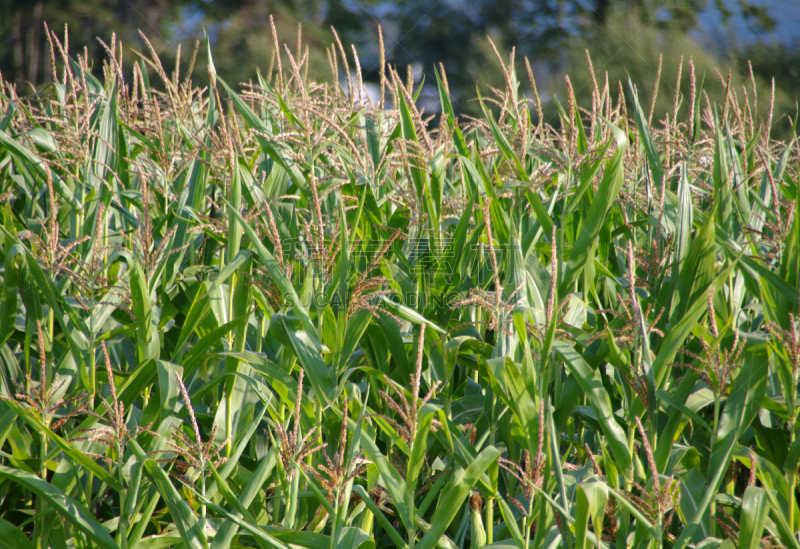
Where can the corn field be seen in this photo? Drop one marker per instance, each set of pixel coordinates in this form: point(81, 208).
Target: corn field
point(280, 315)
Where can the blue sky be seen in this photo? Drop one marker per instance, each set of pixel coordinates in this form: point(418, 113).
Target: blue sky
point(712, 33)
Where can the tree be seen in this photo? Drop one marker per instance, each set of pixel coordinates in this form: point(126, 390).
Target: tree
point(416, 32)
point(24, 53)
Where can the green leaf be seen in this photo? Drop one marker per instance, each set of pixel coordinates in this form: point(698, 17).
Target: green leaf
point(75, 454)
point(683, 224)
point(592, 386)
point(678, 333)
point(693, 486)
point(354, 538)
point(261, 134)
point(355, 326)
point(229, 528)
point(740, 409)
point(305, 349)
point(76, 338)
point(22, 153)
point(182, 515)
point(392, 480)
point(696, 273)
point(233, 500)
point(410, 315)
point(454, 494)
point(344, 258)
point(8, 309)
point(12, 537)
point(105, 156)
point(168, 389)
point(503, 144)
point(670, 400)
point(591, 503)
point(208, 341)
point(653, 158)
point(393, 534)
point(418, 453)
point(755, 508)
point(70, 510)
point(511, 524)
point(147, 339)
point(607, 191)
point(276, 273)
point(722, 181)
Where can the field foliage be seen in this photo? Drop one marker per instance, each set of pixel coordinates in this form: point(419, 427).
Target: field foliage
point(273, 316)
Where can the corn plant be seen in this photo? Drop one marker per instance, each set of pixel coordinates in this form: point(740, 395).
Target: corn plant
point(278, 315)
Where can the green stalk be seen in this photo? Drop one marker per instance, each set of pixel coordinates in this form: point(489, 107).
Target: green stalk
point(124, 523)
point(367, 521)
point(555, 460)
point(88, 489)
point(50, 323)
point(234, 242)
point(622, 527)
point(489, 510)
point(39, 534)
point(712, 507)
point(203, 492)
point(335, 520)
point(276, 507)
point(493, 475)
point(792, 482)
point(262, 334)
point(528, 519)
point(792, 474)
point(291, 508)
point(659, 541)
point(92, 362)
point(715, 426)
point(230, 386)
